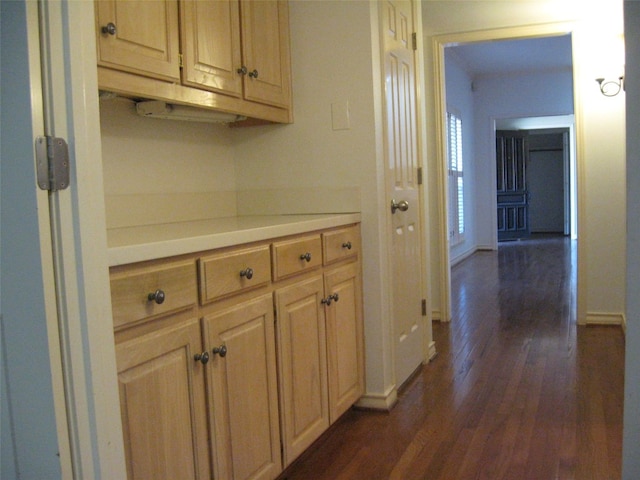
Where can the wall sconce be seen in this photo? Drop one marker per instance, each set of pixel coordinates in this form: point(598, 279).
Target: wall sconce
point(610, 88)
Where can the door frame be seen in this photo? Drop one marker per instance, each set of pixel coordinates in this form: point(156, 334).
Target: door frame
point(85, 340)
point(439, 42)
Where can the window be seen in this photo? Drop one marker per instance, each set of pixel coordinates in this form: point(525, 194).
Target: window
point(456, 179)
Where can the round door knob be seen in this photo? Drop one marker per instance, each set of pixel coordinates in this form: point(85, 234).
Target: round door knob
point(158, 296)
point(402, 205)
point(335, 297)
point(247, 273)
point(109, 28)
point(327, 301)
point(202, 357)
point(306, 256)
point(221, 350)
point(253, 73)
point(347, 245)
point(242, 70)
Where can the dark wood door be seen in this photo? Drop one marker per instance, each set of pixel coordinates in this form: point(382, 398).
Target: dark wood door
point(513, 196)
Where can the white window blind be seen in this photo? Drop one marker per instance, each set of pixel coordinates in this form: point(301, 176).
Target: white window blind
point(456, 179)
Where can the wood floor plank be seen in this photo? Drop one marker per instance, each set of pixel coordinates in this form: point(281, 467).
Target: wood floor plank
point(517, 390)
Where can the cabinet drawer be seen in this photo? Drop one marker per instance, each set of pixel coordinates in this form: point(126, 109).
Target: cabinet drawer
point(340, 244)
point(232, 272)
point(133, 290)
point(295, 256)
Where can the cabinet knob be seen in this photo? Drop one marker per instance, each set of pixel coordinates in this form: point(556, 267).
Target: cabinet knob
point(306, 256)
point(242, 70)
point(402, 205)
point(247, 273)
point(331, 298)
point(347, 245)
point(158, 296)
point(253, 73)
point(202, 357)
point(221, 350)
point(109, 28)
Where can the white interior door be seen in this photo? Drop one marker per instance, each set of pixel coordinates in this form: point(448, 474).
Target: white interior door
point(402, 185)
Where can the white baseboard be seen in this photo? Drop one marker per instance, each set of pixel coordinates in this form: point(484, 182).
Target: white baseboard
point(379, 401)
point(603, 318)
point(432, 351)
point(463, 256)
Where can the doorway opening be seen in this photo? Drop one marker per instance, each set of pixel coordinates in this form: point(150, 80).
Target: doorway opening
point(502, 80)
point(549, 194)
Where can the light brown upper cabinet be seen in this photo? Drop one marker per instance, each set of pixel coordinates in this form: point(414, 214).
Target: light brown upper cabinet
point(227, 55)
point(139, 37)
point(237, 48)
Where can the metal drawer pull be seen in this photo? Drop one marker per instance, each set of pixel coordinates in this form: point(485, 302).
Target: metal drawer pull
point(347, 245)
point(221, 350)
point(306, 256)
point(247, 272)
point(158, 296)
point(202, 357)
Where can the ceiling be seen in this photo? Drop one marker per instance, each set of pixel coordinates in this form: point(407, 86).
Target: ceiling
point(515, 56)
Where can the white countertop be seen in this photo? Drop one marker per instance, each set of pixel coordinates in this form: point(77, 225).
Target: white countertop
point(136, 244)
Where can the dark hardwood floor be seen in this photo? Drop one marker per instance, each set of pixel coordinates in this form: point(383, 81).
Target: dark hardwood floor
point(517, 390)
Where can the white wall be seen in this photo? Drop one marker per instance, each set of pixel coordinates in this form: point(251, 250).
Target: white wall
point(332, 63)
point(163, 170)
point(460, 99)
point(631, 438)
point(596, 27)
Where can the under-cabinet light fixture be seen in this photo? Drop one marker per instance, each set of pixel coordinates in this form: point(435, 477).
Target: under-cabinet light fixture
point(611, 88)
point(158, 109)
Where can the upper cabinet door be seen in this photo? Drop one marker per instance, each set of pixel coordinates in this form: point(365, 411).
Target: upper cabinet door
point(139, 36)
point(265, 50)
point(211, 45)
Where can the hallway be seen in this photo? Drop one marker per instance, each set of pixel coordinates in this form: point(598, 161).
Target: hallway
point(517, 390)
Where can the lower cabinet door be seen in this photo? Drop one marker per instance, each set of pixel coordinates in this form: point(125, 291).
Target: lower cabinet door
point(302, 360)
point(345, 338)
point(163, 404)
point(244, 392)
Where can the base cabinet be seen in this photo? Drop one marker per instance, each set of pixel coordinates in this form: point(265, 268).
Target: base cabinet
point(345, 345)
point(232, 362)
point(303, 365)
point(243, 388)
point(162, 401)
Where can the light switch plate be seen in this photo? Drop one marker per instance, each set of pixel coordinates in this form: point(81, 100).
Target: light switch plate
point(340, 116)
